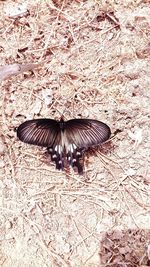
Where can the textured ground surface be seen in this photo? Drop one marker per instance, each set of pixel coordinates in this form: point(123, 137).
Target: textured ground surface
point(94, 63)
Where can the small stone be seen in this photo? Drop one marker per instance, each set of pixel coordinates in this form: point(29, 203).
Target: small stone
point(8, 225)
point(47, 95)
point(130, 172)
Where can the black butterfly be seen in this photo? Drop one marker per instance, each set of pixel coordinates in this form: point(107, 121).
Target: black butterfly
point(66, 141)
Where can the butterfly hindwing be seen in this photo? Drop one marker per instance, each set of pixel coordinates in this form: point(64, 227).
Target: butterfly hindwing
point(40, 132)
point(74, 154)
point(57, 155)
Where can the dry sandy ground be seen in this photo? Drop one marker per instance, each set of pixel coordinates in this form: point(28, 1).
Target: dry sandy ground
point(93, 61)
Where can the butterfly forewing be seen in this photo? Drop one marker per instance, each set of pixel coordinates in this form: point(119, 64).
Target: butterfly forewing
point(40, 132)
point(85, 133)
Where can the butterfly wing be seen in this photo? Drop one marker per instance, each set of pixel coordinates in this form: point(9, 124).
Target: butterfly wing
point(85, 133)
point(40, 132)
point(46, 133)
point(82, 134)
point(64, 139)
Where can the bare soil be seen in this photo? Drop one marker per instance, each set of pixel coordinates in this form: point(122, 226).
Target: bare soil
point(93, 62)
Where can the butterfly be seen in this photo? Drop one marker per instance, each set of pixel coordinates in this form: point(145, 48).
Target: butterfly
point(66, 141)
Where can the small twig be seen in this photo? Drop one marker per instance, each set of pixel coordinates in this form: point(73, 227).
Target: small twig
point(15, 69)
point(135, 199)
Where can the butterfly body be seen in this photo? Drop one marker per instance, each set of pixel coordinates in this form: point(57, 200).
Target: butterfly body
point(66, 141)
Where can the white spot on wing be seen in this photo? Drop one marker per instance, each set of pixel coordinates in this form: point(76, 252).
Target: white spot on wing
point(58, 149)
point(71, 147)
point(74, 146)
